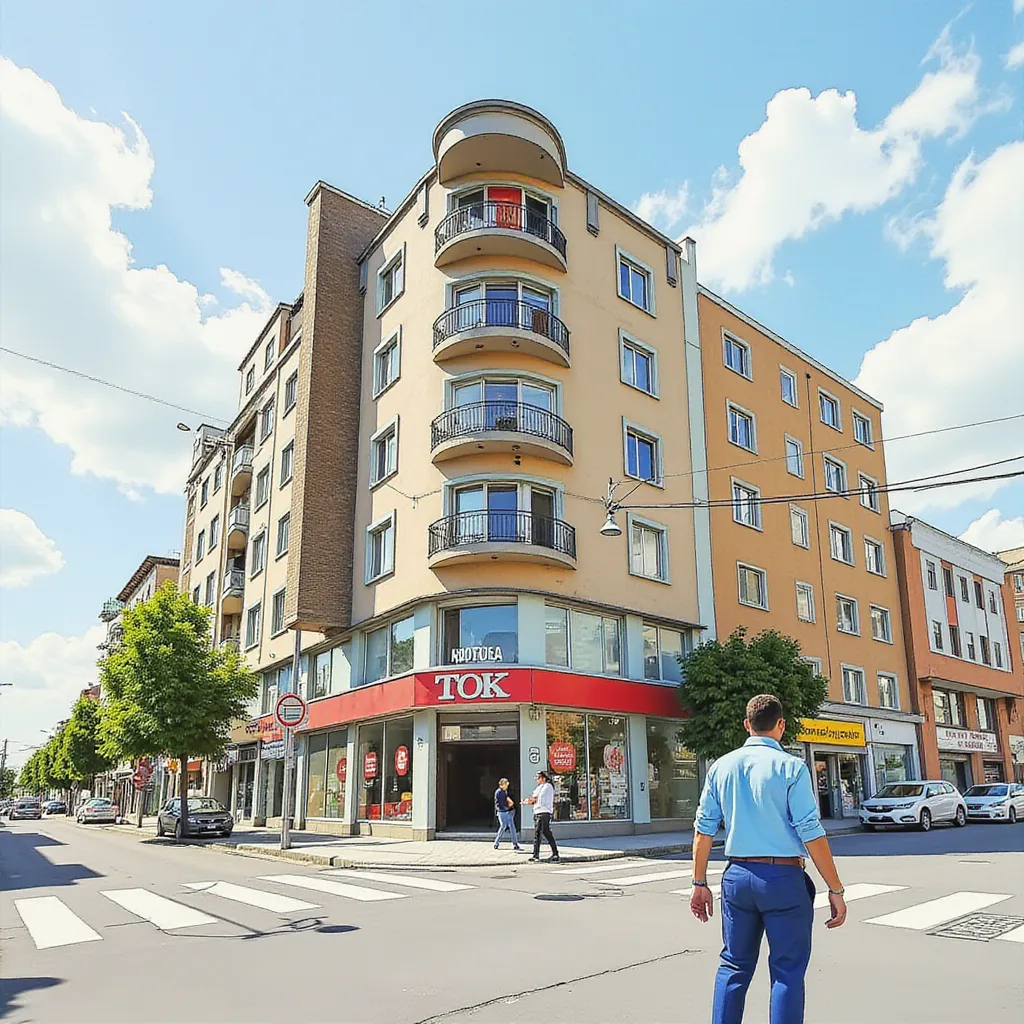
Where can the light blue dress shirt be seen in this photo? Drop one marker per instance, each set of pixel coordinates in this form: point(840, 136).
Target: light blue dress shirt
point(765, 798)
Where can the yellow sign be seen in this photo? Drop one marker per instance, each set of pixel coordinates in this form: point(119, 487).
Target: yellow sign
point(824, 730)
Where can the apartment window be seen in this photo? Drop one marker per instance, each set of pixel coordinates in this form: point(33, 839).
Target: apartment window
point(291, 392)
point(799, 527)
point(211, 585)
point(196, 592)
point(268, 355)
point(268, 692)
point(259, 553)
point(888, 691)
point(266, 420)
point(815, 663)
point(204, 493)
point(389, 650)
point(992, 606)
point(737, 356)
point(214, 531)
point(965, 594)
point(390, 281)
point(643, 455)
point(582, 641)
point(663, 649)
point(787, 380)
point(200, 545)
point(847, 615)
point(840, 543)
point(283, 528)
point(933, 580)
point(854, 690)
point(753, 586)
point(937, 634)
point(250, 379)
point(874, 556)
point(998, 651)
point(869, 496)
point(954, 641)
point(386, 363)
point(638, 365)
point(277, 613)
point(287, 457)
point(835, 475)
point(635, 283)
point(1020, 613)
point(987, 720)
point(384, 453)
point(829, 406)
point(742, 430)
point(746, 505)
point(947, 580)
point(862, 429)
point(648, 549)
point(252, 626)
point(1018, 582)
point(805, 602)
point(262, 486)
point(978, 599)
point(218, 478)
point(380, 549)
point(881, 624)
point(970, 646)
point(949, 707)
point(986, 654)
point(794, 457)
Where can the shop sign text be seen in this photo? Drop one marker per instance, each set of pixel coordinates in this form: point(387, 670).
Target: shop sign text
point(562, 757)
point(471, 655)
point(370, 765)
point(472, 686)
point(964, 739)
point(824, 730)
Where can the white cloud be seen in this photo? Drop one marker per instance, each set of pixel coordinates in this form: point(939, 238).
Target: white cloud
point(1018, 6)
point(25, 551)
point(665, 209)
point(1015, 58)
point(73, 295)
point(991, 532)
point(810, 162)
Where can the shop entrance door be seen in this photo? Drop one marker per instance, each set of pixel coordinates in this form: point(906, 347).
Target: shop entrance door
point(826, 773)
point(956, 773)
point(473, 754)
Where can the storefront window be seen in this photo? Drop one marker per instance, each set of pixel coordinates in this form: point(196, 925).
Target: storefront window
point(567, 763)
point(556, 635)
point(337, 768)
point(370, 767)
point(389, 650)
point(609, 775)
point(397, 769)
point(376, 655)
point(662, 651)
point(891, 764)
point(487, 633)
point(317, 758)
point(594, 786)
point(402, 633)
point(585, 642)
point(672, 778)
point(321, 681)
point(850, 783)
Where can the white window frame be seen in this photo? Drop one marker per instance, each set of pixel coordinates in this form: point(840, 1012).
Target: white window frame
point(930, 574)
point(268, 407)
point(280, 552)
point(802, 512)
point(756, 491)
point(393, 340)
point(880, 547)
point(888, 620)
point(273, 609)
point(389, 522)
point(808, 589)
point(627, 340)
point(254, 642)
point(785, 371)
point(628, 426)
point(250, 379)
point(789, 439)
point(293, 379)
point(839, 410)
point(815, 663)
point(863, 688)
point(845, 530)
point(269, 354)
point(937, 639)
point(289, 450)
point(856, 615)
point(731, 406)
point(895, 689)
point(856, 415)
point(729, 338)
point(388, 266)
point(866, 492)
point(620, 255)
point(764, 585)
point(200, 545)
point(257, 504)
point(218, 477)
point(845, 490)
point(993, 604)
point(214, 536)
point(663, 547)
point(254, 568)
point(375, 438)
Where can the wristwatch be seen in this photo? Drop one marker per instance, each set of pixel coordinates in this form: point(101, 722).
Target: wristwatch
point(837, 892)
point(701, 885)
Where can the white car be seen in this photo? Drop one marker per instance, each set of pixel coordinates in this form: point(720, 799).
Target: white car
point(913, 805)
point(99, 810)
point(996, 801)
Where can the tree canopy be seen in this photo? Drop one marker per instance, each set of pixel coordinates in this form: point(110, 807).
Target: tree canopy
point(82, 741)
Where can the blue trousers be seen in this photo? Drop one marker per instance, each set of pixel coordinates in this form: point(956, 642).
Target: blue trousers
point(506, 823)
point(776, 900)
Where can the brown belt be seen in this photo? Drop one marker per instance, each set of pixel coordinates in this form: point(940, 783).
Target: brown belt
point(796, 862)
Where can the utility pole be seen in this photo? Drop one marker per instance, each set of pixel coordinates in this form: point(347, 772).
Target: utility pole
point(289, 754)
point(3, 762)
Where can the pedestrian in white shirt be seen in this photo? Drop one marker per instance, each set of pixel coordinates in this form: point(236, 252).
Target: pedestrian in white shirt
point(543, 799)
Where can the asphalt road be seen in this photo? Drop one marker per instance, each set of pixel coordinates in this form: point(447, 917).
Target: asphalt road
point(96, 925)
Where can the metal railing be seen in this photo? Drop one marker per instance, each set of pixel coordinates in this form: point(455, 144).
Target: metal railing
point(517, 417)
point(112, 607)
point(242, 458)
point(509, 216)
point(497, 527)
point(234, 579)
point(501, 313)
point(238, 518)
point(230, 642)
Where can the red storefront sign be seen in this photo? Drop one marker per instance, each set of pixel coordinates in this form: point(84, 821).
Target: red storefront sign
point(341, 769)
point(479, 686)
point(268, 729)
point(402, 761)
point(562, 757)
point(370, 765)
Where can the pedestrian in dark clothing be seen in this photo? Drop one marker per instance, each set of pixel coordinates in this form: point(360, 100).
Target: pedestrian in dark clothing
point(505, 807)
point(543, 799)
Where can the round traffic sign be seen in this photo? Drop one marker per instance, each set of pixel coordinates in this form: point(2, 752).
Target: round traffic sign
point(290, 711)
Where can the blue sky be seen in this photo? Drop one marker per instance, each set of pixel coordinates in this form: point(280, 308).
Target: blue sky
point(241, 107)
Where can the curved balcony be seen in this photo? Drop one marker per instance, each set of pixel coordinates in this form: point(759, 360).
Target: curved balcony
point(241, 469)
point(499, 229)
point(237, 532)
point(501, 427)
point(234, 591)
point(500, 325)
point(466, 537)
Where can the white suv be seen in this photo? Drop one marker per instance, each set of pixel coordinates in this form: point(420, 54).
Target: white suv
point(913, 805)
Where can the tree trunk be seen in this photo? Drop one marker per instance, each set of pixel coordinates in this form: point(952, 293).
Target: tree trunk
point(183, 794)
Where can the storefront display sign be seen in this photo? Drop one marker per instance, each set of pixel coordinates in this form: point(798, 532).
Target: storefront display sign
point(370, 765)
point(966, 740)
point(1017, 749)
point(824, 730)
point(402, 761)
point(272, 750)
point(614, 758)
point(472, 686)
point(341, 769)
point(562, 757)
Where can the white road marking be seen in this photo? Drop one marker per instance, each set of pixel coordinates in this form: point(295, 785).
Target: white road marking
point(658, 876)
point(859, 891)
point(715, 890)
point(412, 881)
point(1017, 935)
point(253, 897)
point(621, 865)
point(51, 923)
point(935, 912)
point(351, 892)
point(164, 913)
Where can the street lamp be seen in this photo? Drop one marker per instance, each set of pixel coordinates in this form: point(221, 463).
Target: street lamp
point(610, 527)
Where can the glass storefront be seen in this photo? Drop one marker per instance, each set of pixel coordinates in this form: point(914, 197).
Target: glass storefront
point(609, 780)
point(672, 778)
point(587, 758)
point(385, 766)
point(327, 767)
point(567, 763)
point(892, 764)
point(957, 772)
point(368, 764)
point(851, 783)
point(481, 634)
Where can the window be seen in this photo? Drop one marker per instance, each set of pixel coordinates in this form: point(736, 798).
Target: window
point(250, 379)
point(598, 740)
point(933, 580)
point(937, 634)
point(992, 606)
point(854, 690)
point(947, 580)
point(386, 364)
point(662, 650)
point(283, 528)
point(787, 380)
point(829, 407)
point(268, 692)
point(799, 527)
point(389, 650)
point(480, 634)
point(262, 486)
point(252, 626)
point(997, 650)
point(869, 496)
point(847, 615)
point(200, 545)
point(840, 543)
point(214, 531)
point(1018, 582)
point(287, 457)
point(753, 586)
point(835, 475)
point(746, 505)
point(635, 284)
point(211, 587)
point(674, 784)
point(949, 707)
point(742, 430)
point(204, 493)
point(268, 355)
point(197, 591)
point(259, 553)
point(291, 392)
point(794, 457)
point(643, 455)
point(881, 624)
point(862, 429)
point(737, 355)
point(987, 720)
point(218, 478)
point(805, 602)
point(815, 663)
point(384, 453)
point(266, 420)
point(954, 641)
point(390, 281)
point(874, 556)
point(328, 768)
point(582, 641)
point(638, 365)
point(380, 549)
point(965, 594)
point(970, 646)
point(277, 613)
point(986, 654)
point(978, 599)
point(1020, 613)
point(888, 691)
point(648, 549)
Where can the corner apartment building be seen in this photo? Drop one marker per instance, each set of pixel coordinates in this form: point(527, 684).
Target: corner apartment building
point(1014, 559)
point(962, 653)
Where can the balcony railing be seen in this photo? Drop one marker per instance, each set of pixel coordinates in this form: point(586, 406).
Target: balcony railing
point(238, 518)
point(493, 417)
point(111, 609)
point(234, 581)
point(229, 642)
point(242, 458)
point(463, 529)
point(506, 216)
point(512, 313)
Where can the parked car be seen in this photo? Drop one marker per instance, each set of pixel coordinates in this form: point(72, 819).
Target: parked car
point(27, 807)
point(996, 801)
point(98, 811)
point(206, 816)
point(55, 807)
point(913, 805)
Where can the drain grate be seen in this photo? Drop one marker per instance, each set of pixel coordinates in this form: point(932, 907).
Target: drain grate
point(980, 927)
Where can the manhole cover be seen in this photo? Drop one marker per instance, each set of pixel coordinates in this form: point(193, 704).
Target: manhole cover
point(559, 897)
point(980, 927)
point(502, 876)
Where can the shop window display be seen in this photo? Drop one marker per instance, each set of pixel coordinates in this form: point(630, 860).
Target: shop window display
point(609, 775)
point(589, 768)
point(369, 764)
point(567, 762)
point(672, 777)
point(397, 770)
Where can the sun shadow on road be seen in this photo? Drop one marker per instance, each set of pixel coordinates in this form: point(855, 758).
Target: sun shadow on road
point(11, 988)
point(23, 866)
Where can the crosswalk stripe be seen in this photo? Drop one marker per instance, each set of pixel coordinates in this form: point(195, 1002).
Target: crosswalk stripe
point(352, 892)
point(934, 912)
point(859, 891)
point(621, 865)
point(715, 890)
point(253, 897)
point(164, 913)
point(658, 876)
point(1017, 935)
point(412, 881)
point(51, 923)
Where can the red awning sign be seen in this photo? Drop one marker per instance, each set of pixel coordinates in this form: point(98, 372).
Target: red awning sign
point(290, 711)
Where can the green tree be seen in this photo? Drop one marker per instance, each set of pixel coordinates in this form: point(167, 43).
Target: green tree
point(169, 691)
point(58, 767)
point(82, 742)
point(35, 776)
point(8, 780)
point(719, 679)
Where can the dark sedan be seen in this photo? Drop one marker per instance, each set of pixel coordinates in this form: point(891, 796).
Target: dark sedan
point(206, 816)
point(56, 807)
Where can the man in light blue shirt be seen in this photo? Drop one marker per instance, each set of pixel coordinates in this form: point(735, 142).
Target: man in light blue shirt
point(765, 798)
